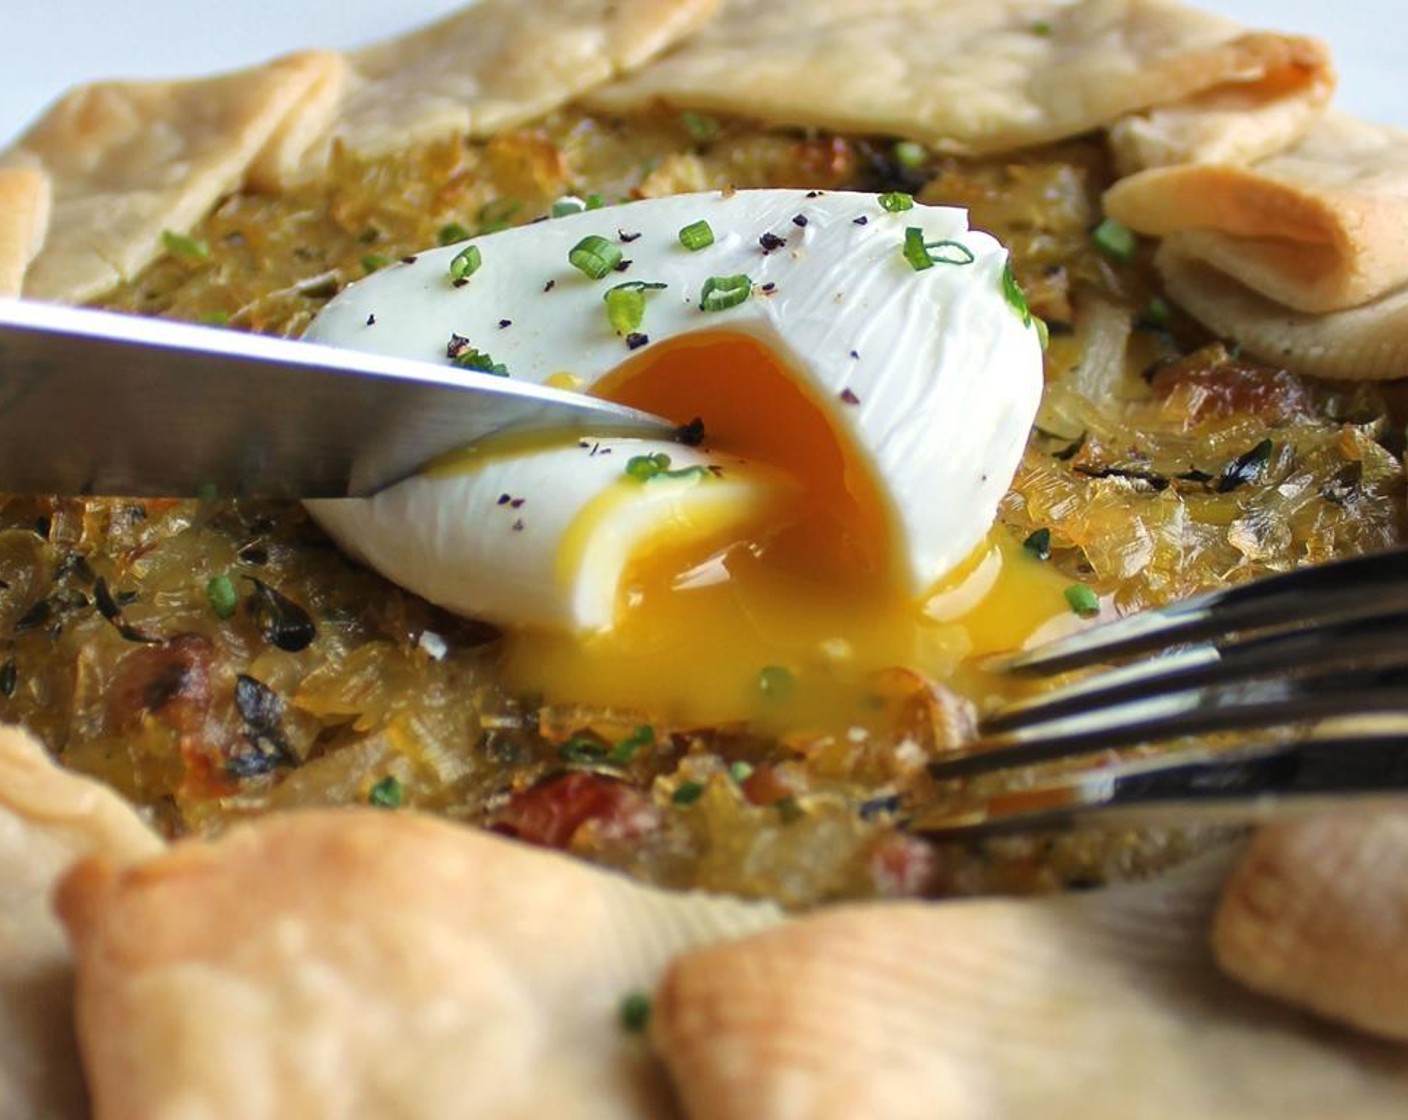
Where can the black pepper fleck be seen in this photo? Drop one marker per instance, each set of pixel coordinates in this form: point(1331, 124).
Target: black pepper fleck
point(855, 354)
point(800, 221)
point(504, 499)
point(517, 503)
point(505, 323)
point(861, 221)
point(408, 260)
point(623, 265)
point(813, 194)
point(550, 285)
point(768, 288)
point(518, 525)
point(459, 282)
point(770, 241)
point(848, 397)
point(627, 238)
point(635, 340)
point(371, 320)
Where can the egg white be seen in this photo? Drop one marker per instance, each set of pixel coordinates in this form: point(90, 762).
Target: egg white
point(932, 376)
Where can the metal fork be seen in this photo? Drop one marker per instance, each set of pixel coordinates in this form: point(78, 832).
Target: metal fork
point(1309, 669)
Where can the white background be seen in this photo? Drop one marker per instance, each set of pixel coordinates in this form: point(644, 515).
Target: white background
point(55, 43)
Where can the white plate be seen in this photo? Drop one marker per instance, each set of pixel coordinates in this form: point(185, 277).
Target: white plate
point(69, 41)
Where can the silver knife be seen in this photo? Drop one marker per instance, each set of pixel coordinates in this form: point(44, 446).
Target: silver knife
point(93, 402)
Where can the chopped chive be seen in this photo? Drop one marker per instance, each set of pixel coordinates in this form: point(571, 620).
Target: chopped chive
point(388, 793)
point(582, 749)
point(1041, 27)
point(465, 356)
point(179, 245)
point(923, 254)
point(594, 201)
point(215, 318)
point(896, 201)
point(567, 204)
point(915, 251)
point(645, 467)
point(1016, 298)
point(910, 155)
point(223, 596)
point(688, 793)
point(374, 262)
point(466, 262)
point(496, 214)
point(740, 771)
point(701, 129)
point(1156, 314)
point(452, 232)
point(775, 682)
point(594, 257)
point(1039, 544)
point(1083, 600)
point(697, 235)
point(634, 1012)
point(625, 305)
point(632, 744)
point(722, 292)
point(1115, 241)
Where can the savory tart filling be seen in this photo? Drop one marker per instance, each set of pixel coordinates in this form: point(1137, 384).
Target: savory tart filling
point(217, 659)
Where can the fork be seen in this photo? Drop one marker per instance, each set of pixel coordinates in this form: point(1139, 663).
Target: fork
point(1309, 668)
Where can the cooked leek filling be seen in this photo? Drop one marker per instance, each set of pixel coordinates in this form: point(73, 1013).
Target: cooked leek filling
point(216, 659)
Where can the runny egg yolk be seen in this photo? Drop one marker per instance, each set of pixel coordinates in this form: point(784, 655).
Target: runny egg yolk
point(791, 619)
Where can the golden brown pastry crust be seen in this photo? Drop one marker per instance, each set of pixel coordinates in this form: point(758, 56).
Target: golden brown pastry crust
point(369, 963)
point(500, 63)
point(976, 76)
point(49, 818)
point(128, 161)
point(1104, 1007)
point(24, 220)
point(1322, 227)
point(1317, 915)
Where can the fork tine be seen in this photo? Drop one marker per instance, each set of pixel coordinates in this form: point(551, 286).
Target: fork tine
point(1346, 589)
point(1337, 764)
point(1245, 706)
point(1364, 645)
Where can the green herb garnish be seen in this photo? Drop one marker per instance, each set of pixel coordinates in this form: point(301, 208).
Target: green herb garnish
point(595, 201)
point(722, 292)
point(582, 749)
point(389, 793)
point(496, 214)
point(374, 262)
point(465, 263)
point(701, 129)
point(465, 356)
point(625, 305)
point(452, 232)
point(776, 682)
point(1115, 241)
point(1039, 544)
point(688, 793)
point(740, 771)
point(634, 1012)
point(594, 256)
point(910, 155)
point(646, 468)
point(1013, 294)
point(1082, 600)
point(896, 201)
point(632, 745)
point(567, 204)
point(697, 235)
point(222, 595)
point(1156, 314)
point(179, 245)
point(923, 254)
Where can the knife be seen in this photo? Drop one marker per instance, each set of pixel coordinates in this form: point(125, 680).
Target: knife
point(94, 402)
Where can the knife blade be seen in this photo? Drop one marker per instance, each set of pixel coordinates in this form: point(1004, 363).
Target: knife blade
point(94, 402)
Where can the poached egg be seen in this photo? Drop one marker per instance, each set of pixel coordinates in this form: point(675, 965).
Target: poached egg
point(866, 373)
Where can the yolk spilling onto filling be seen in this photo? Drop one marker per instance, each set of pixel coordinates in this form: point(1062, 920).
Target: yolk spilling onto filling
point(792, 618)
